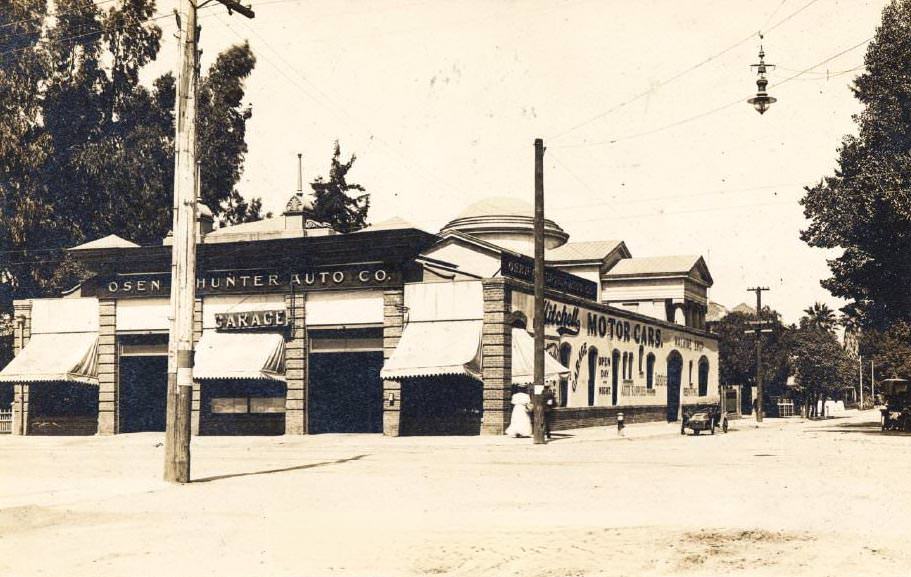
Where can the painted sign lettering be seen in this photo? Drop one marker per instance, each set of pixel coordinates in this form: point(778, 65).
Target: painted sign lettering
point(605, 326)
point(245, 320)
point(523, 268)
point(225, 282)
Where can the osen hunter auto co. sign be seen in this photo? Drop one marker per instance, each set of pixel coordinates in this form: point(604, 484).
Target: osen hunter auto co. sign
point(254, 281)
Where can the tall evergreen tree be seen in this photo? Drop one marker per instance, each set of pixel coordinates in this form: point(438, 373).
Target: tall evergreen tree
point(864, 209)
point(334, 201)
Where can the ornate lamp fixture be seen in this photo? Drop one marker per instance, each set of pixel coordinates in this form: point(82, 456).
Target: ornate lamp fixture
point(762, 100)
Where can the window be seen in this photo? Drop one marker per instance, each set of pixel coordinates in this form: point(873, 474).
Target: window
point(245, 405)
point(641, 351)
point(690, 381)
point(226, 405)
point(566, 352)
point(703, 376)
point(267, 404)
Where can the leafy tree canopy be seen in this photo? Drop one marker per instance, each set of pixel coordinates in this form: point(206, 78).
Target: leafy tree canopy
point(86, 150)
point(737, 351)
point(864, 208)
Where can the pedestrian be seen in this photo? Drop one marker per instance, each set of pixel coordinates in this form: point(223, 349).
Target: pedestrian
point(550, 403)
point(520, 420)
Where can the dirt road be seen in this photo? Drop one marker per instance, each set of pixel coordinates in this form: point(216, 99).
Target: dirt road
point(790, 498)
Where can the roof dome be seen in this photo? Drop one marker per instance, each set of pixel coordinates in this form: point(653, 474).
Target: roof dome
point(507, 222)
point(498, 206)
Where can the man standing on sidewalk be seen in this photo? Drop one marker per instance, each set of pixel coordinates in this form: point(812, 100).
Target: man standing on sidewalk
point(550, 402)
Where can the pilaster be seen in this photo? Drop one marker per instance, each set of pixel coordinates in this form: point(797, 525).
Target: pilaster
point(195, 402)
point(296, 350)
point(108, 385)
point(22, 332)
point(496, 363)
point(393, 323)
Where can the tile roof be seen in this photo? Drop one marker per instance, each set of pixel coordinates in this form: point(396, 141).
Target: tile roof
point(592, 250)
point(681, 264)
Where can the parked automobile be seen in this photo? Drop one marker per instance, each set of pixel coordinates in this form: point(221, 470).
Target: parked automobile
point(705, 419)
point(896, 414)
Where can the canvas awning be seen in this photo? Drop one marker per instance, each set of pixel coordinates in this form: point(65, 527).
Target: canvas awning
point(55, 357)
point(523, 360)
point(435, 348)
point(240, 356)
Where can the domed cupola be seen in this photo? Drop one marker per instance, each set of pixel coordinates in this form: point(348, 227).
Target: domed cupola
point(506, 222)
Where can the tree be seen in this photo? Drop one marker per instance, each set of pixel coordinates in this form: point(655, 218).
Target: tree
point(821, 366)
point(864, 209)
point(333, 203)
point(821, 316)
point(737, 352)
point(86, 150)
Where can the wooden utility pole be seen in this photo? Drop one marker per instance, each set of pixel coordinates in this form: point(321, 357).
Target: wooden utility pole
point(860, 375)
point(538, 388)
point(758, 291)
point(872, 384)
point(183, 254)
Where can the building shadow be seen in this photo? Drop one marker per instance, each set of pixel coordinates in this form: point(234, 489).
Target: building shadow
point(282, 470)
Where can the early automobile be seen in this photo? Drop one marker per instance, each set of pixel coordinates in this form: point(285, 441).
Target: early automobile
point(704, 419)
point(896, 414)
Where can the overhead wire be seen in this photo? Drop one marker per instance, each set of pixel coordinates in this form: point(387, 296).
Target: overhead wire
point(713, 110)
point(678, 75)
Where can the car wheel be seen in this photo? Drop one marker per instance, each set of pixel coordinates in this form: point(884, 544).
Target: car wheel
point(713, 428)
point(724, 426)
point(695, 431)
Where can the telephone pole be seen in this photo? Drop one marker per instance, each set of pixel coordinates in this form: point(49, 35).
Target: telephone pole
point(183, 253)
point(537, 395)
point(758, 290)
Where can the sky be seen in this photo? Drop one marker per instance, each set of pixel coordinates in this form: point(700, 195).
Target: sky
point(641, 106)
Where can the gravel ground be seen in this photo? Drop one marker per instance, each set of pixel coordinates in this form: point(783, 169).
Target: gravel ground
point(790, 497)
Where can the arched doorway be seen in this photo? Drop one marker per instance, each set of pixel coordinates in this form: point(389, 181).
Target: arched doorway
point(674, 372)
point(615, 375)
point(592, 372)
point(566, 352)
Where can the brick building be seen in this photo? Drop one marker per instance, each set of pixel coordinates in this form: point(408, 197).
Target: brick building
point(390, 329)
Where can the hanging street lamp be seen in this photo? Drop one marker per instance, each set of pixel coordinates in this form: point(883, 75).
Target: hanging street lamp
point(762, 100)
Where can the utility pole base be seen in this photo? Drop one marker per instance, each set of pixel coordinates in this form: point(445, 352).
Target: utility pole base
point(177, 438)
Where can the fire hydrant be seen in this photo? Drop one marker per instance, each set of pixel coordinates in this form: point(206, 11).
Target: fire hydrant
point(620, 424)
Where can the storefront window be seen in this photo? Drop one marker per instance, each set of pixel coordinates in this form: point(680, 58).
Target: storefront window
point(226, 405)
point(244, 405)
point(267, 404)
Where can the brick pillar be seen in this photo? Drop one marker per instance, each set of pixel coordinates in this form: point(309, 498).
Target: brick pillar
point(22, 319)
point(296, 350)
point(197, 388)
point(496, 361)
point(393, 321)
point(108, 383)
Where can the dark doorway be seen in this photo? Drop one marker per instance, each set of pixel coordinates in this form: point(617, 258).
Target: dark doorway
point(143, 393)
point(674, 372)
point(346, 393)
point(592, 374)
point(615, 375)
point(566, 351)
point(444, 405)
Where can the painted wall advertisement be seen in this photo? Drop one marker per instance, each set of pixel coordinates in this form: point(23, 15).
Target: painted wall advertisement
point(618, 360)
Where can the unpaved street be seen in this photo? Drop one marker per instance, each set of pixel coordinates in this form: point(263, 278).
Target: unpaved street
point(789, 498)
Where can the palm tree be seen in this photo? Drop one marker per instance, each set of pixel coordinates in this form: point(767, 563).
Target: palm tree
point(819, 315)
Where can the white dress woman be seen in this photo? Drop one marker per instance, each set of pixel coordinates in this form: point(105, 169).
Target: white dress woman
point(520, 421)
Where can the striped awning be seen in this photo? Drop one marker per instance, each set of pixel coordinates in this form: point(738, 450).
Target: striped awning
point(250, 355)
point(523, 360)
point(434, 348)
point(55, 357)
